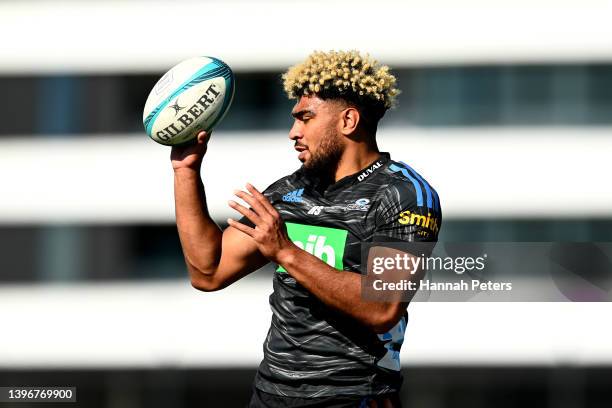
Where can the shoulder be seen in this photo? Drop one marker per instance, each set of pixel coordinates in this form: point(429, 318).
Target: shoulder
point(284, 184)
point(408, 207)
point(402, 187)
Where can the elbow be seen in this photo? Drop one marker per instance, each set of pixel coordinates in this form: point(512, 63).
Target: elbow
point(204, 282)
point(205, 285)
point(382, 327)
point(386, 320)
point(198, 270)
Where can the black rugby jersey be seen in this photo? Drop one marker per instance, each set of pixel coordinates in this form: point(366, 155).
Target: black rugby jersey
point(312, 350)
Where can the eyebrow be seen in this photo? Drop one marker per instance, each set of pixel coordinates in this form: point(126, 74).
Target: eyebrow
point(301, 113)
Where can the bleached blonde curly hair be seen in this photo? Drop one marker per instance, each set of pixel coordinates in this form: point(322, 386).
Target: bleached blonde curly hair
point(347, 75)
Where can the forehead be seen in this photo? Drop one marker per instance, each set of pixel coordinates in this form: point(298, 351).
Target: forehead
point(307, 103)
point(313, 104)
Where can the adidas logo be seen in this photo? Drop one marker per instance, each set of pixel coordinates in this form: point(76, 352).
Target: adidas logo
point(294, 197)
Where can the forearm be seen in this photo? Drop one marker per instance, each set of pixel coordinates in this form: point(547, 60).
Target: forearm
point(200, 236)
point(340, 290)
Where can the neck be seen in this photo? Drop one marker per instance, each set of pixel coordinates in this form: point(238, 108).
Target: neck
point(355, 157)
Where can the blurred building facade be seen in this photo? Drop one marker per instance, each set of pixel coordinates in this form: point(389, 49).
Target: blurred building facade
point(87, 106)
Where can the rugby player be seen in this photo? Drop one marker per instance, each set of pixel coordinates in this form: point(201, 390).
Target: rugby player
point(327, 346)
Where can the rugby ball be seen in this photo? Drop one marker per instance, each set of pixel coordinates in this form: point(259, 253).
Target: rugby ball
point(193, 95)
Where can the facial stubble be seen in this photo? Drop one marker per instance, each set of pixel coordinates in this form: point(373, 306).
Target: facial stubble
point(324, 161)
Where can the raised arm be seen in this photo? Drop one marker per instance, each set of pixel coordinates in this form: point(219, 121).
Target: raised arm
point(340, 289)
point(214, 258)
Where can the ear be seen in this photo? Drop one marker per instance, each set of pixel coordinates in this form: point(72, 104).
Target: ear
point(349, 120)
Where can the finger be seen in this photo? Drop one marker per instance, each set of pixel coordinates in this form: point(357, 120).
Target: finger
point(253, 202)
point(261, 199)
point(241, 227)
point(203, 136)
point(247, 212)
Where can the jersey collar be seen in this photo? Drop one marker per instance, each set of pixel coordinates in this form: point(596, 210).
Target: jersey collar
point(361, 175)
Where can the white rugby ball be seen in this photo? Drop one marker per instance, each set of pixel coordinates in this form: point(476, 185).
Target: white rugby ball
point(193, 95)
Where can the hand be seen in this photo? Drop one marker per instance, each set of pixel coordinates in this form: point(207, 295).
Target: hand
point(270, 232)
point(190, 156)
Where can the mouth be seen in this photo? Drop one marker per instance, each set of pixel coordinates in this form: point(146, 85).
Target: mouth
point(302, 152)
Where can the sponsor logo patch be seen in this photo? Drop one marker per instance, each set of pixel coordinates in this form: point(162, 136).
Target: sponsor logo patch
point(428, 221)
point(316, 210)
point(369, 171)
point(325, 243)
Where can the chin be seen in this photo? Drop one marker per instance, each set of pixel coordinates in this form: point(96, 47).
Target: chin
point(305, 160)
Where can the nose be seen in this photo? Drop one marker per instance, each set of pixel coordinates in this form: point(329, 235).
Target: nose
point(295, 132)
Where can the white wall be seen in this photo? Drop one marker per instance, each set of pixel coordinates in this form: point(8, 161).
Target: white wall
point(123, 36)
point(154, 324)
point(480, 173)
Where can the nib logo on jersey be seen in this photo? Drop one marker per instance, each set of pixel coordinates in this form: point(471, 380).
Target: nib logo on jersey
point(294, 197)
point(325, 243)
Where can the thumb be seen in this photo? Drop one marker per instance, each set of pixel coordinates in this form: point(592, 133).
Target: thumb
point(202, 137)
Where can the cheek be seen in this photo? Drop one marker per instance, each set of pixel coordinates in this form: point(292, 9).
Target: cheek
point(316, 132)
point(318, 143)
point(311, 137)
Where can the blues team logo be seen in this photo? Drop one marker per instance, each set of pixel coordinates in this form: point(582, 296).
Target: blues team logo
point(363, 204)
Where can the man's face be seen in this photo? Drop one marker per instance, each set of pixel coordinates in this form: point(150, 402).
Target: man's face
point(316, 135)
